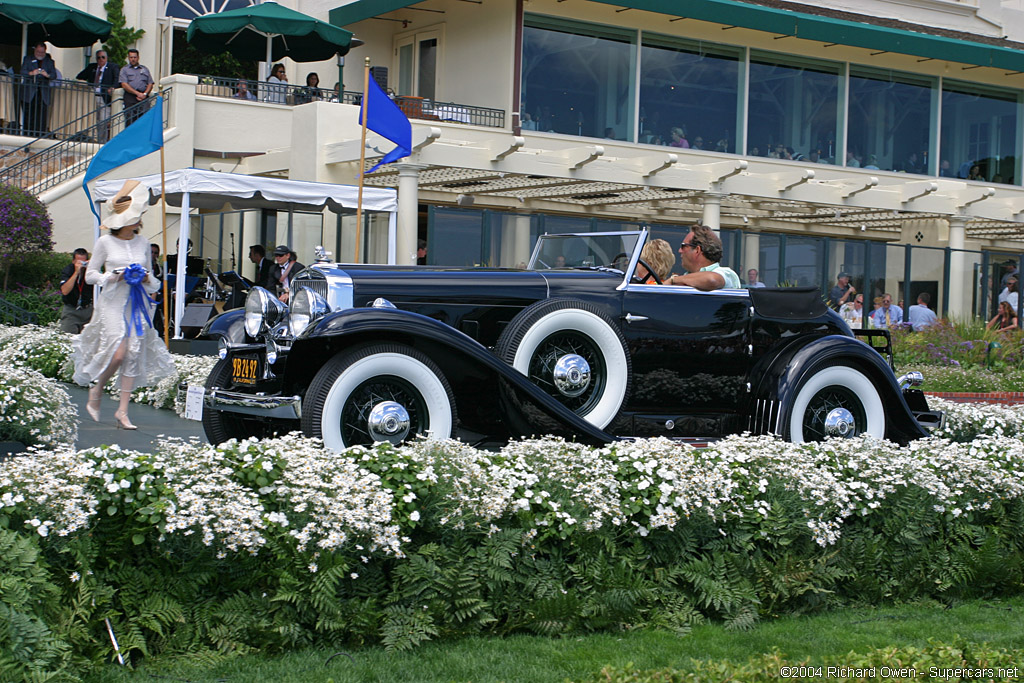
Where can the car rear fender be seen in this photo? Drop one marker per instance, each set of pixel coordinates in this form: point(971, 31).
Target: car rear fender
point(776, 382)
point(446, 346)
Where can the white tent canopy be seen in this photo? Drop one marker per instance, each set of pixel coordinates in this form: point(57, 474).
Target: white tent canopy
point(190, 187)
point(211, 190)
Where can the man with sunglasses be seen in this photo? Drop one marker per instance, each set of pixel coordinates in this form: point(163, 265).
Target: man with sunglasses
point(104, 76)
point(700, 254)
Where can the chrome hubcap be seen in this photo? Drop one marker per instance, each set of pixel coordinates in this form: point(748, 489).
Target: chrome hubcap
point(388, 421)
point(839, 422)
point(571, 375)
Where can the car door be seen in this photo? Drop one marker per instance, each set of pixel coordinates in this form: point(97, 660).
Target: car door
point(691, 356)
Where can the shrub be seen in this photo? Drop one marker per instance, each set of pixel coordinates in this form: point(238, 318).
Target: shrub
point(278, 543)
point(25, 227)
point(39, 270)
point(45, 303)
point(35, 410)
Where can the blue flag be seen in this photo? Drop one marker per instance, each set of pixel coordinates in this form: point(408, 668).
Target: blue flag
point(386, 119)
point(144, 136)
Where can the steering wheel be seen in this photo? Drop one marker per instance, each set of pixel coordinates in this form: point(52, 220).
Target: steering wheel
point(650, 274)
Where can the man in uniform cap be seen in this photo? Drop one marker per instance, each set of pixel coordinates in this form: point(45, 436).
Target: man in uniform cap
point(286, 269)
point(842, 292)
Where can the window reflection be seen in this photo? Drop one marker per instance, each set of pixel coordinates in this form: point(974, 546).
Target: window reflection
point(979, 134)
point(793, 109)
point(689, 87)
point(577, 81)
point(888, 122)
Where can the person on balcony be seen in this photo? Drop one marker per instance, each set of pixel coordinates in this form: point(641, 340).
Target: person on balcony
point(104, 77)
point(38, 70)
point(242, 91)
point(277, 90)
point(137, 83)
point(310, 93)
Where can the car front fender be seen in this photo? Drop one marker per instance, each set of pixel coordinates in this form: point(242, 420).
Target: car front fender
point(354, 327)
point(779, 377)
point(230, 325)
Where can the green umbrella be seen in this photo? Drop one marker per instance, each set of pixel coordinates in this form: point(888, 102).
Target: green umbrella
point(269, 32)
point(49, 20)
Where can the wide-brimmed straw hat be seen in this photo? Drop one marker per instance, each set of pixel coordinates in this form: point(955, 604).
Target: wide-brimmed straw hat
point(127, 206)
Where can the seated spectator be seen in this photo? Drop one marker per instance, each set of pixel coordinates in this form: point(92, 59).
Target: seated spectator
point(872, 163)
point(853, 312)
point(310, 93)
point(975, 173)
point(945, 170)
point(700, 254)
point(242, 91)
point(528, 123)
point(852, 160)
point(752, 281)
point(658, 255)
point(1005, 319)
point(919, 315)
point(887, 315)
point(698, 143)
point(678, 138)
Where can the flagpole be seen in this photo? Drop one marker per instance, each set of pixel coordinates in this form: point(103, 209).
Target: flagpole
point(362, 153)
point(163, 249)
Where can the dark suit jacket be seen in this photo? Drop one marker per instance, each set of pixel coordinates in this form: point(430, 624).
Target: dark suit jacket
point(265, 274)
point(296, 269)
point(108, 79)
point(32, 85)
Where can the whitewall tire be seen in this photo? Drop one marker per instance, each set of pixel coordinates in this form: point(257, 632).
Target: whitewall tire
point(830, 388)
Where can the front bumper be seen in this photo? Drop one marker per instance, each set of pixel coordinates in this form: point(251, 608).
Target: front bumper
point(281, 407)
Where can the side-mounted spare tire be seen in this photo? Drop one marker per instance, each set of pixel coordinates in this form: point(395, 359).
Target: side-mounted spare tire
point(835, 400)
point(574, 352)
point(409, 392)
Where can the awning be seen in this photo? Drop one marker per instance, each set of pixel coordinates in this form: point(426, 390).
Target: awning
point(212, 190)
point(776, 21)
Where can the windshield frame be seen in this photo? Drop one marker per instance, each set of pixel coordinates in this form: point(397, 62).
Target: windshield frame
point(641, 239)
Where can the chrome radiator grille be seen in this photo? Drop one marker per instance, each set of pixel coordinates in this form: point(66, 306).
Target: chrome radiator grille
point(318, 285)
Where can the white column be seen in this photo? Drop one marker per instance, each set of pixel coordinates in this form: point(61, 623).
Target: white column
point(522, 246)
point(960, 286)
point(408, 213)
point(713, 210)
point(751, 254)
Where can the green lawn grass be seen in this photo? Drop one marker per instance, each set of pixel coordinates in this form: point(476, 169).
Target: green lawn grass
point(539, 659)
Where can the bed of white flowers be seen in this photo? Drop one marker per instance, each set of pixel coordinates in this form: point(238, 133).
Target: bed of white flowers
point(35, 410)
point(48, 351)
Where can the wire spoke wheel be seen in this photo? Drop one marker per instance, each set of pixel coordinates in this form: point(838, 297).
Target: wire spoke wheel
point(355, 414)
point(542, 368)
point(828, 403)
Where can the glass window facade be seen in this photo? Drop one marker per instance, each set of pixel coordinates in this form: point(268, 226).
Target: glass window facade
point(793, 109)
point(692, 87)
point(889, 121)
point(577, 79)
point(600, 81)
point(980, 133)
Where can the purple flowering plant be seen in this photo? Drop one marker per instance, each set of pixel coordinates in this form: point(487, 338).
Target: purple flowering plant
point(25, 227)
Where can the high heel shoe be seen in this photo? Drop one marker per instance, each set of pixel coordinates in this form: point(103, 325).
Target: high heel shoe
point(92, 406)
point(121, 420)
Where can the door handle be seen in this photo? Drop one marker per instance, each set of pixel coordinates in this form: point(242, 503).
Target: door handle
point(629, 317)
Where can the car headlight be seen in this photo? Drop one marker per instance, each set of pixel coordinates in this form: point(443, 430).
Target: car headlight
point(306, 308)
point(262, 311)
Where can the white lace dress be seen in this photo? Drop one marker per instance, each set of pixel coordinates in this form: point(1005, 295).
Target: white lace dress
point(147, 359)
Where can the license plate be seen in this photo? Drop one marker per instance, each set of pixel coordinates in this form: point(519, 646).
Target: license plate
point(245, 369)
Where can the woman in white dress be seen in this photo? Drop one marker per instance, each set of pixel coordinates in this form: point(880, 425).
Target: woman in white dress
point(277, 85)
point(120, 335)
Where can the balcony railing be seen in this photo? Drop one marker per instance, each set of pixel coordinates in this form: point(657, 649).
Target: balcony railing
point(21, 113)
point(37, 170)
point(280, 93)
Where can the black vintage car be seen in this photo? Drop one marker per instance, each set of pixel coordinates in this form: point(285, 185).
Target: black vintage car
point(382, 353)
